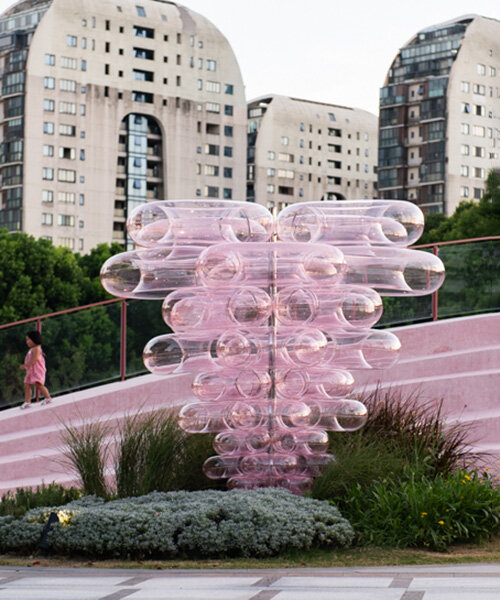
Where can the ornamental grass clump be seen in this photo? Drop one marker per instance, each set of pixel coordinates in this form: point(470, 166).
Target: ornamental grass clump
point(422, 512)
point(249, 523)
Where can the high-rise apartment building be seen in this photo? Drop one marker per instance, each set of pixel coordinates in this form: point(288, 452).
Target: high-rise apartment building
point(440, 115)
point(108, 104)
point(300, 150)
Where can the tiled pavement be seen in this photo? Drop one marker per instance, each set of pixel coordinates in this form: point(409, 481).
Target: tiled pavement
point(440, 582)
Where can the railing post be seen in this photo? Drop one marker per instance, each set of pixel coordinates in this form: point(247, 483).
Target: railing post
point(123, 340)
point(435, 251)
point(39, 329)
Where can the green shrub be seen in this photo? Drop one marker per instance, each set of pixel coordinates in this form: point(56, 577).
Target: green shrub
point(419, 511)
point(18, 502)
point(203, 524)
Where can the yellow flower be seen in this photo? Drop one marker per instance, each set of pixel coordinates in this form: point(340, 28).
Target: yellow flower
point(424, 514)
point(467, 477)
point(441, 522)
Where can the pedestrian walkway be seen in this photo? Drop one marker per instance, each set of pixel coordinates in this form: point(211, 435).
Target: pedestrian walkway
point(440, 582)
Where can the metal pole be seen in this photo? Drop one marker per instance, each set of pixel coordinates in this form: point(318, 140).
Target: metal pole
point(123, 340)
point(435, 251)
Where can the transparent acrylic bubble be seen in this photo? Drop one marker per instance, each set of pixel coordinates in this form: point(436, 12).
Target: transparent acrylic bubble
point(291, 383)
point(193, 418)
point(235, 349)
point(307, 347)
point(209, 387)
point(337, 383)
point(249, 305)
point(242, 415)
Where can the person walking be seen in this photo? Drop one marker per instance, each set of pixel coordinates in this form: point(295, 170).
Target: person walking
point(34, 365)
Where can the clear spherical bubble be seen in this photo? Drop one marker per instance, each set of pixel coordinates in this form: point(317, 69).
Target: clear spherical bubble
point(221, 467)
point(193, 418)
point(258, 440)
point(184, 311)
point(295, 413)
point(336, 383)
point(285, 464)
point(296, 306)
point(283, 441)
point(252, 465)
point(241, 415)
point(208, 387)
point(300, 224)
point(148, 224)
point(291, 383)
point(381, 349)
point(324, 266)
point(252, 384)
point(235, 349)
point(162, 354)
point(227, 442)
point(316, 441)
point(248, 224)
point(424, 275)
point(249, 305)
point(120, 274)
point(351, 415)
point(361, 310)
point(307, 347)
point(218, 266)
point(409, 216)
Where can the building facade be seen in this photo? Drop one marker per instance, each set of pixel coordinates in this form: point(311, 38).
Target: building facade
point(440, 115)
point(300, 151)
point(106, 105)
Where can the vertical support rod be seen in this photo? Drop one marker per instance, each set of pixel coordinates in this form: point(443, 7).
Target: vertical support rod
point(435, 251)
point(123, 340)
point(39, 329)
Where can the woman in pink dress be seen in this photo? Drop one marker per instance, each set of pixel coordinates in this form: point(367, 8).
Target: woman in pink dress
point(34, 365)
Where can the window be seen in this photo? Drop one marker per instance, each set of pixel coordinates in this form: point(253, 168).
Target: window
point(50, 59)
point(464, 191)
point(478, 130)
point(228, 130)
point(213, 107)
point(481, 69)
point(270, 188)
point(47, 219)
point(284, 157)
point(284, 140)
point(212, 170)
point(140, 75)
point(66, 220)
point(210, 64)
point(228, 151)
point(286, 173)
point(211, 191)
point(331, 116)
point(67, 85)
point(47, 173)
point(48, 150)
point(81, 199)
point(479, 172)
point(464, 128)
point(478, 151)
point(67, 130)
point(82, 109)
point(212, 149)
point(145, 32)
point(228, 172)
point(492, 72)
point(479, 110)
point(227, 193)
point(270, 172)
point(144, 53)
point(68, 108)
point(228, 88)
point(228, 109)
point(84, 65)
point(479, 89)
point(71, 40)
point(212, 86)
point(464, 171)
point(65, 152)
point(142, 97)
point(67, 175)
point(67, 242)
point(47, 196)
point(68, 63)
point(465, 107)
point(271, 155)
point(66, 197)
point(84, 43)
point(465, 87)
point(199, 85)
point(49, 105)
point(48, 127)
point(464, 150)
point(140, 11)
point(49, 83)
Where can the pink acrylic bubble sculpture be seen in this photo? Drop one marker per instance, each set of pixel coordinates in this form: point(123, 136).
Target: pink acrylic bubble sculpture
point(269, 316)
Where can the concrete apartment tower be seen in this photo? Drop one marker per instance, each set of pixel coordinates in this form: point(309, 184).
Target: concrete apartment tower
point(299, 151)
point(440, 115)
point(109, 104)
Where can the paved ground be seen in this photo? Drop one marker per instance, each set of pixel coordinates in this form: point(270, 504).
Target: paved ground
point(443, 582)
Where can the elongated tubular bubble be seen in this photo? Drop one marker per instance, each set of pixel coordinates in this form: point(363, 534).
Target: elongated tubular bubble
point(340, 305)
point(388, 222)
point(165, 354)
point(338, 415)
point(231, 441)
point(228, 385)
point(199, 308)
point(393, 271)
point(200, 223)
point(379, 350)
point(294, 384)
point(151, 273)
point(251, 264)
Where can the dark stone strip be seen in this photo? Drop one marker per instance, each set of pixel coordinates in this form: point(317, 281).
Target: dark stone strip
point(120, 594)
point(265, 581)
point(266, 595)
point(412, 596)
point(5, 580)
point(401, 582)
point(135, 580)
